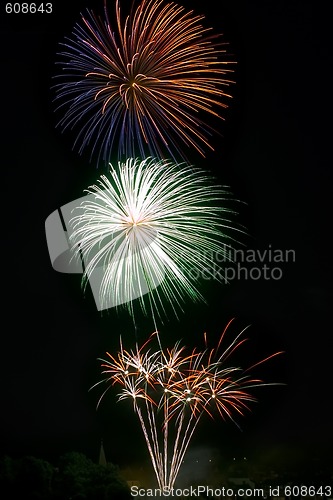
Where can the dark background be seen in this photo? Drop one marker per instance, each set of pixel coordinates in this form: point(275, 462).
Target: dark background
point(275, 154)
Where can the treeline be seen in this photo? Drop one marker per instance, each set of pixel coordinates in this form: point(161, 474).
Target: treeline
point(74, 477)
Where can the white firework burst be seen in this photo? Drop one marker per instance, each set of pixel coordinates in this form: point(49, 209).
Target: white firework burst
point(153, 229)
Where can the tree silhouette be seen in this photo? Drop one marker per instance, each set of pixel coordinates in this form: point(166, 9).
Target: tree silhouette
point(75, 477)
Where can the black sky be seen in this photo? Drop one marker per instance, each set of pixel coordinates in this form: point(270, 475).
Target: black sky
point(275, 154)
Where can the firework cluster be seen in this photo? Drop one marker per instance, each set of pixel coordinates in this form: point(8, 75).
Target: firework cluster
point(137, 92)
point(168, 385)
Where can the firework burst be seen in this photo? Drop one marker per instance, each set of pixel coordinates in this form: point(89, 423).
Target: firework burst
point(172, 390)
point(155, 228)
point(141, 86)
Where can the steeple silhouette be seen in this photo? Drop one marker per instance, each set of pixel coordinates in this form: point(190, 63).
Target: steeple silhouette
point(102, 459)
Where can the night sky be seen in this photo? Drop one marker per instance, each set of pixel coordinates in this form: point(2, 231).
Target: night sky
point(274, 153)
